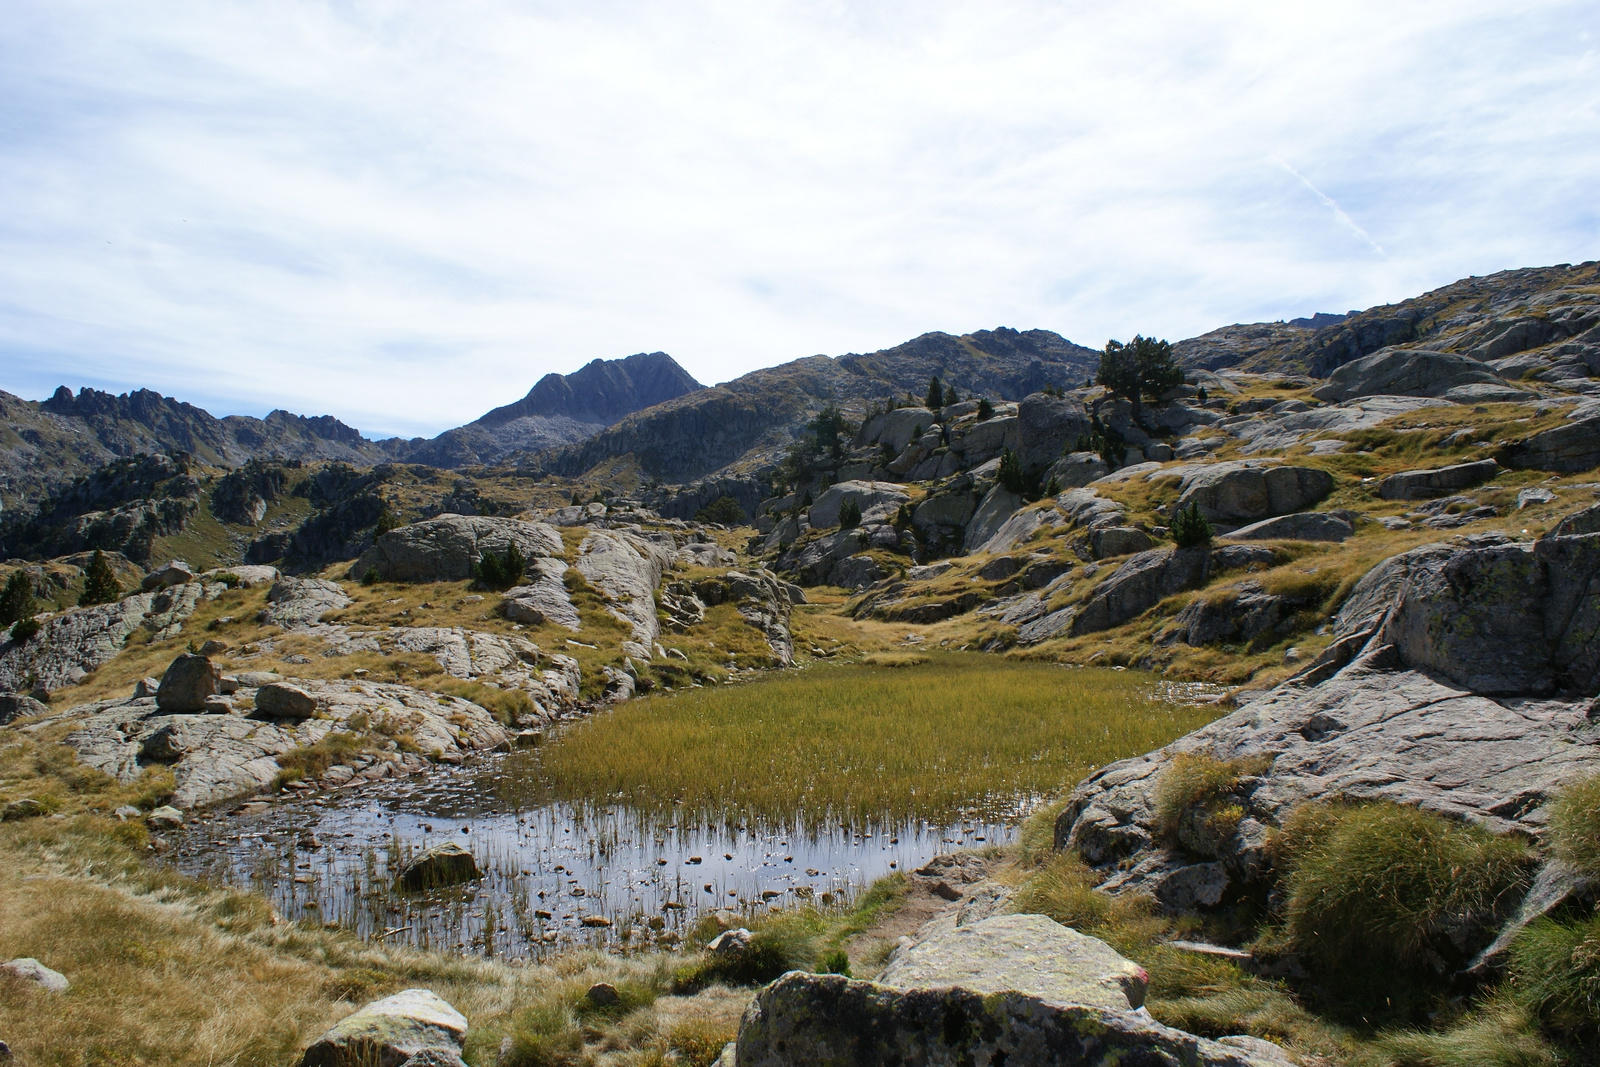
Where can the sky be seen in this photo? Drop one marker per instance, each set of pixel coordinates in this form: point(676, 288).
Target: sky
point(404, 214)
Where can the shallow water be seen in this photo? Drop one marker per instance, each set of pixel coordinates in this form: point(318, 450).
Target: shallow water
point(547, 866)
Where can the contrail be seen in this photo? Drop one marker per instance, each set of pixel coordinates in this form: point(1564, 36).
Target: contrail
point(1333, 206)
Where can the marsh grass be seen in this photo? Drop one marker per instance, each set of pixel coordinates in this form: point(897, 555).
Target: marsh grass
point(864, 744)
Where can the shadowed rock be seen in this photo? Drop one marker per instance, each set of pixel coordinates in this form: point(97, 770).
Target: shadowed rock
point(189, 682)
point(445, 864)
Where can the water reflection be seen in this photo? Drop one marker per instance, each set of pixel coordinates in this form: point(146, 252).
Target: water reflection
point(555, 874)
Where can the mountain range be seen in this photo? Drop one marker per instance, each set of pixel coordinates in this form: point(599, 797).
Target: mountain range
point(647, 407)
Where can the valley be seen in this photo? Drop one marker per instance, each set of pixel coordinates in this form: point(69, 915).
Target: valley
point(1272, 675)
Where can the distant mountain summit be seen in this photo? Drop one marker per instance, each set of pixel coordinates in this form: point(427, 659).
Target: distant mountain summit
point(561, 409)
point(602, 391)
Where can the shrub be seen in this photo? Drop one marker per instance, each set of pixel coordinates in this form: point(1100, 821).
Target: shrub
point(577, 499)
point(24, 630)
point(724, 510)
point(1011, 475)
point(849, 514)
point(1575, 826)
point(16, 601)
point(99, 583)
point(985, 409)
point(1555, 972)
point(1381, 886)
point(501, 571)
point(835, 961)
point(229, 579)
point(902, 518)
point(372, 577)
point(1053, 487)
point(1190, 528)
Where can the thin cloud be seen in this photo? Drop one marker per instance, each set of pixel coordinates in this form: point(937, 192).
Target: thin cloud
point(1333, 206)
point(402, 215)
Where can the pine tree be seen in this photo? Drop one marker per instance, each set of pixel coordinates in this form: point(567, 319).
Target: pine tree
point(951, 396)
point(99, 583)
point(1142, 367)
point(16, 602)
point(985, 409)
point(1190, 527)
point(1011, 475)
point(849, 514)
point(935, 398)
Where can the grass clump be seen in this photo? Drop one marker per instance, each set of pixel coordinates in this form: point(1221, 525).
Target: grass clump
point(1194, 800)
point(959, 733)
point(1383, 890)
point(313, 761)
point(1575, 826)
point(1555, 973)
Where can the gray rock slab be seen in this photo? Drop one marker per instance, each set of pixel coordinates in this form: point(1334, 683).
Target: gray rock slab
point(544, 598)
point(1301, 526)
point(1029, 954)
point(448, 548)
point(1405, 372)
point(832, 1021)
point(297, 603)
point(1437, 481)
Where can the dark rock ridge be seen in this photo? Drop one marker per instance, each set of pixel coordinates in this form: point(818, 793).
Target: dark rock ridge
point(561, 410)
point(1495, 318)
point(759, 414)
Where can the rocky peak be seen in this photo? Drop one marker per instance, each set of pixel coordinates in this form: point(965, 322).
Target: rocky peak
point(602, 391)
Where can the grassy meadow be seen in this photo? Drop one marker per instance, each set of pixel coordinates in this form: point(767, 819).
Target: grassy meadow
point(934, 736)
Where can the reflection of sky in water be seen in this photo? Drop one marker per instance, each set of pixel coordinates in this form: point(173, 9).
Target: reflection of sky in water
point(547, 867)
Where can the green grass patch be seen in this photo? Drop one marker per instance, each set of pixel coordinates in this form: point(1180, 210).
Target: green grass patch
point(1383, 899)
point(961, 733)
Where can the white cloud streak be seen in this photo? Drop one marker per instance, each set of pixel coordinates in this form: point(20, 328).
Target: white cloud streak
point(404, 214)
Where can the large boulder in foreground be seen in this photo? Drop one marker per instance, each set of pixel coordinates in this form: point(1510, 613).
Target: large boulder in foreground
point(827, 1020)
point(1497, 617)
point(1028, 953)
point(448, 548)
point(189, 682)
point(415, 1026)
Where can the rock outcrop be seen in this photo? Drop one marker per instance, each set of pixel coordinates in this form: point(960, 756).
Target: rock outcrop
point(71, 645)
point(1246, 491)
point(544, 598)
point(1438, 691)
point(1437, 481)
point(218, 758)
point(627, 568)
point(877, 500)
point(1417, 372)
point(448, 548)
point(1143, 581)
point(1565, 449)
point(296, 603)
